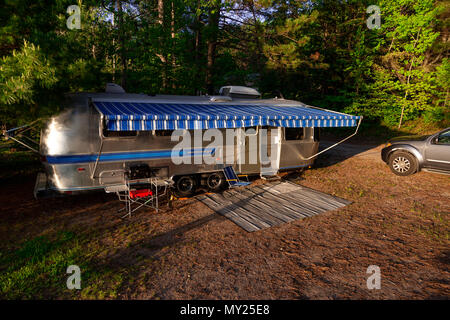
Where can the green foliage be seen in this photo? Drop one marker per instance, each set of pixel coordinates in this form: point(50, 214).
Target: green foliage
point(17, 164)
point(408, 28)
point(320, 52)
point(402, 83)
point(39, 264)
point(437, 115)
point(443, 74)
point(22, 73)
point(289, 47)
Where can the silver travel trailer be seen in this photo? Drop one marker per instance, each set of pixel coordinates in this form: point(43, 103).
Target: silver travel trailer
point(104, 137)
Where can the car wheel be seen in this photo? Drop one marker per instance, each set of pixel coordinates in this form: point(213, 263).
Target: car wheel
point(186, 186)
point(402, 163)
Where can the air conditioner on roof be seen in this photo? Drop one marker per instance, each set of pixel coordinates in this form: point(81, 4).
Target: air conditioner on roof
point(239, 92)
point(114, 88)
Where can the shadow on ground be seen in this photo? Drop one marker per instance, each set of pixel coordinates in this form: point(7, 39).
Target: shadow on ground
point(343, 152)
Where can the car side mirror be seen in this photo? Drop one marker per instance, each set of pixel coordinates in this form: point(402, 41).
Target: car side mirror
point(435, 140)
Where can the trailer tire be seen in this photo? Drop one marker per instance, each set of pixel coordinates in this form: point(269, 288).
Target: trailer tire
point(186, 186)
point(215, 181)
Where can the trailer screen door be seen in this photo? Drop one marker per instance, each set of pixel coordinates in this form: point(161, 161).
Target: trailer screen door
point(270, 150)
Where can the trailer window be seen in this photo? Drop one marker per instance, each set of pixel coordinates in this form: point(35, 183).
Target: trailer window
point(316, 134)
point(110, 134)
point(163, 133)
point(145, 133)
point(251, 131)
point(293, 133)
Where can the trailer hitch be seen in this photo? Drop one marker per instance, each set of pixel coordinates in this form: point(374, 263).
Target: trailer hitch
point(16, 133)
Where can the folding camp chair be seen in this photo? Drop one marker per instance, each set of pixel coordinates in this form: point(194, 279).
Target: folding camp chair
point(135, 197)
point(140, 193)
point(233, 179)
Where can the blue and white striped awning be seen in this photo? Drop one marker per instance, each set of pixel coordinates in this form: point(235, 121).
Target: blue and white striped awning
point(129, 116)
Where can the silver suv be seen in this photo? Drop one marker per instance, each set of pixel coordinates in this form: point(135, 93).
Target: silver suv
point(407, 155)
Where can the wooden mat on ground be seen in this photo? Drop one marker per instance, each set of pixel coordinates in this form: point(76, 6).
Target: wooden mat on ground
point(258, 207)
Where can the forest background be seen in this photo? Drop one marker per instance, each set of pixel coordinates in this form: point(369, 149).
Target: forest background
point(326, 53)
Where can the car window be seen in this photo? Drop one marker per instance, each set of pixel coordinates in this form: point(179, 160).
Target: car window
point(444, 138)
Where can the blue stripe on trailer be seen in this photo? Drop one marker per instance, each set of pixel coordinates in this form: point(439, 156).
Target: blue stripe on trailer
point(124, 156)
point(129, 116)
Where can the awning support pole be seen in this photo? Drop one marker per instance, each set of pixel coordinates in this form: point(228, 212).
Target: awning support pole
point(100, 129)
point(337, 143)
point(96, 161)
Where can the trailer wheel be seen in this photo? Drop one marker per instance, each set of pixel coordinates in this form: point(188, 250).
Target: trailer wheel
point(215, 181)
point(186, 185)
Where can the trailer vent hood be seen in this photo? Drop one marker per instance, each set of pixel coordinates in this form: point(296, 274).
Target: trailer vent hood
point(239, 92)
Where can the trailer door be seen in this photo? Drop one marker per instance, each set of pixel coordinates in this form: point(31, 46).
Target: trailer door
point(248, 141)
point(270, 150)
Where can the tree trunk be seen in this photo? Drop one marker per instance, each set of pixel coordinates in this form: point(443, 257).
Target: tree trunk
point(257, 34)
point(123, 57)
point(196, 51)
point(113, 57)
point(408, 81)
point(213, 29)
point(162, 56)
point(446, 99)
point(161, 12)
point(172, 35)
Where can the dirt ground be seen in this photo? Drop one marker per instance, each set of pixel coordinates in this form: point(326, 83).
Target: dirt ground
point(400, 224)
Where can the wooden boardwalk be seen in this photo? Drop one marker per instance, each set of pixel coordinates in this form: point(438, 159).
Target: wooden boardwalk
point(263, 206)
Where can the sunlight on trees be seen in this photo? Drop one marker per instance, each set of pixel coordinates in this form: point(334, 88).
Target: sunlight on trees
point(320, 52)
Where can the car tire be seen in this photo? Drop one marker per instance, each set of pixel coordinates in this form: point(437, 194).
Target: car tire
point(402, 163)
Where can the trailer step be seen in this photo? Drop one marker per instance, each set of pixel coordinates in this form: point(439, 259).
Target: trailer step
point(271, 204)
point(271, 177)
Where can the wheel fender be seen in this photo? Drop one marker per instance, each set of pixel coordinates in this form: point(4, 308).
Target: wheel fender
point(410, 149)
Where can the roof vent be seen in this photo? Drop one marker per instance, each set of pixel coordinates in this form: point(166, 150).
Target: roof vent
point(114, 88)
point(220, 99)
point(239, 92)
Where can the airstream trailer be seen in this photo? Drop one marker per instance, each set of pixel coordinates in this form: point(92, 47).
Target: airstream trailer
point(104, 137)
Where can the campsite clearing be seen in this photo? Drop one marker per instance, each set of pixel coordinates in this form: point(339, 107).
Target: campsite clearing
point(400, 224)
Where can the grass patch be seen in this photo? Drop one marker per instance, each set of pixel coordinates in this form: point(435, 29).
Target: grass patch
point(18, 163)
point(438, 229)
point(102, 285)
point(38, 266)
point(37, 270)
